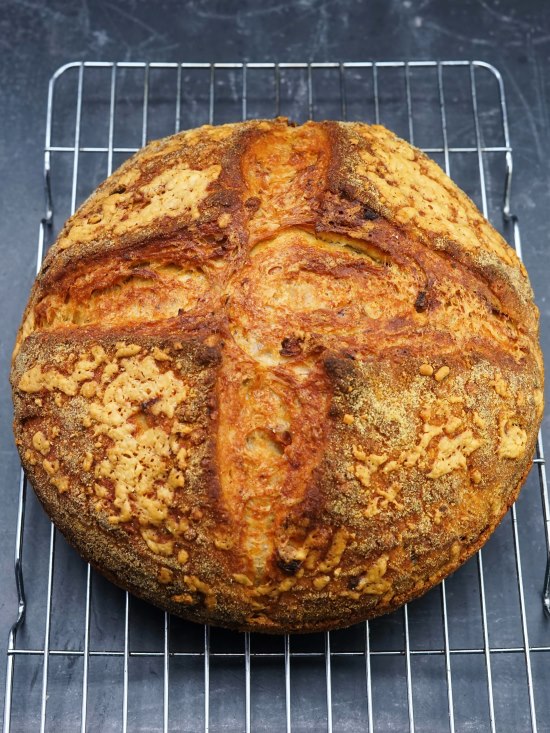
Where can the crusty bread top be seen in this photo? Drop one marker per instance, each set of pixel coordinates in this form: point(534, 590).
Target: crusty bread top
point(278, 378)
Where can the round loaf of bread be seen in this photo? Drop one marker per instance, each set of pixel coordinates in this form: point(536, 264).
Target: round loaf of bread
point(278, 378)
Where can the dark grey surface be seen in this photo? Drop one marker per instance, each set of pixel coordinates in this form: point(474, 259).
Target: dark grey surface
point(38, 38)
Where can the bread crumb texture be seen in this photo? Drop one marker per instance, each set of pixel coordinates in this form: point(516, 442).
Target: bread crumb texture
point(278, 378)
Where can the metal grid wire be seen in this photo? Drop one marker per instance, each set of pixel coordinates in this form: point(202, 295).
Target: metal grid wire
point(473, 654)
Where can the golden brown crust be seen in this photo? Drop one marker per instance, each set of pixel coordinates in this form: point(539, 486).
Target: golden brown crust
point(278, 378)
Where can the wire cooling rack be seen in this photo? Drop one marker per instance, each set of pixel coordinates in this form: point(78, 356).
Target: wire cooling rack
point(472, 655)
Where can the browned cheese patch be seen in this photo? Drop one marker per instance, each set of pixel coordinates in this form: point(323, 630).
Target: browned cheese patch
point(127, 413)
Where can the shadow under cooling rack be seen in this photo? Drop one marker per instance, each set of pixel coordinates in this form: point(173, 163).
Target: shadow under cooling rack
point(473, 654)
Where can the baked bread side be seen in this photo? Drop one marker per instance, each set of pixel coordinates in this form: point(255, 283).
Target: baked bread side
point(278, 378)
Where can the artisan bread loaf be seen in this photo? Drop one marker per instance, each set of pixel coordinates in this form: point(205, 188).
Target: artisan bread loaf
point(278, 378)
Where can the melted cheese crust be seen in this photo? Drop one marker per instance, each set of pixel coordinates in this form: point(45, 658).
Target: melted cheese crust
point(278, 378)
